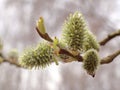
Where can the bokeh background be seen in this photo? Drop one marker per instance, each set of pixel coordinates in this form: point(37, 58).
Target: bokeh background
point(17, 30)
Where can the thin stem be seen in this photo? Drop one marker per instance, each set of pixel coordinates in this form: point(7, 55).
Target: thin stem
point(9, 61)
point(110, 58)
point(12, 63)
point(77, 57)
point(109, 37)
point(44, 36)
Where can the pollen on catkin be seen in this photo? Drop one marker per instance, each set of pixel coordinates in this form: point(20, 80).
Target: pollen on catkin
point(73, 31)
point(41, 56)
point(90, 42)
point(91, 61)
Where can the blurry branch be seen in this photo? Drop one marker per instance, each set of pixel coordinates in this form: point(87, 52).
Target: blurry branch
point(110, 58)
point(109, 37)
point(10, 60)
point(12, 63)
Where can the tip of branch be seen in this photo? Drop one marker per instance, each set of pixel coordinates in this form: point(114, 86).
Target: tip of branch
point(44, 36)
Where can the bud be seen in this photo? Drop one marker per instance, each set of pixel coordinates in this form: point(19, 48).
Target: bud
point(55, 42)
point(40, 26)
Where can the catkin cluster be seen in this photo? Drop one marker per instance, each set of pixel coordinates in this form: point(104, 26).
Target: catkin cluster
point(90, 41)
point(79, 38)
point(76, 38)
point(76, 34)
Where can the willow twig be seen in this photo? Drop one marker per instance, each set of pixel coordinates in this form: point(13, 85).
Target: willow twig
point(109, 37)
point(110, 58)
point(12, 63)
point(44, 36)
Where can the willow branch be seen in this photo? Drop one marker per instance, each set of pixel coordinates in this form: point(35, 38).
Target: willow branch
point(12, 63)
point(110, 58)
point(42, 32)
point(77, 57)
point(109, 37)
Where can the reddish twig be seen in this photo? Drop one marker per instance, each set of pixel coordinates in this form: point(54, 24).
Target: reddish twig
point(44, 36)
point(110, 58)
point(109, 37)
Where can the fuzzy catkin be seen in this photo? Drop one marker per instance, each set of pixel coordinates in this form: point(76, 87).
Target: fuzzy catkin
point(77, 36)
point(73, 31)
point(91, 61)
point(90, 42)
point(41, 56)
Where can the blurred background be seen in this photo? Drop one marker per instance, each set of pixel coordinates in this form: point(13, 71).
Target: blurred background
point(17, 30)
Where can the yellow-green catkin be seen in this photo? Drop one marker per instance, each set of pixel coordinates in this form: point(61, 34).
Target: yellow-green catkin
point(90, 42)
point(41, 56)
point(91, 61)
point(74, 31)
point(77, 36)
